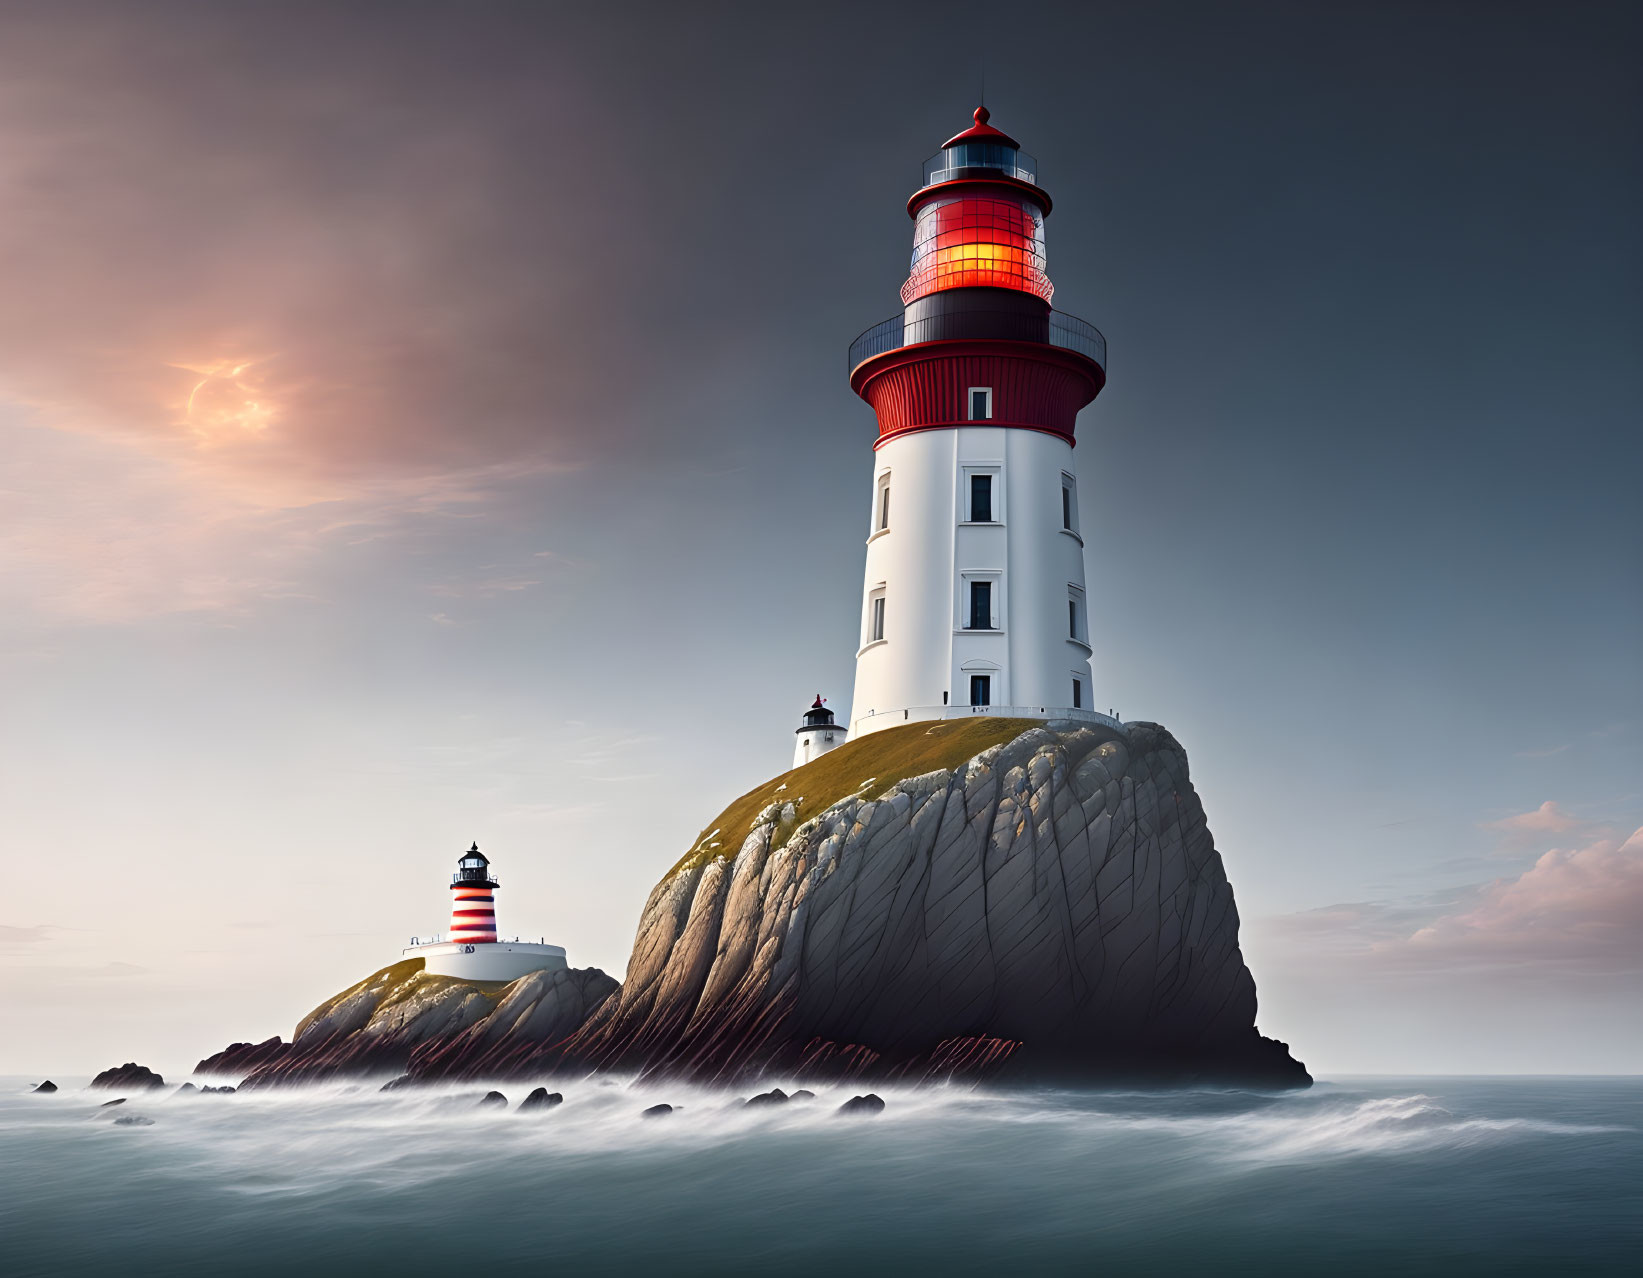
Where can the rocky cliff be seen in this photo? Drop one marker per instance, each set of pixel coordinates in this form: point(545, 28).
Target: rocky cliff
point(1051, 907)
point(980, 898)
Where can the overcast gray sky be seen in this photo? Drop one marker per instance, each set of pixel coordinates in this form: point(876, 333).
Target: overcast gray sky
point(423, 424)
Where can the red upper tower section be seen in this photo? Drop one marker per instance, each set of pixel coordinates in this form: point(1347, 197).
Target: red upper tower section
point(977, 303)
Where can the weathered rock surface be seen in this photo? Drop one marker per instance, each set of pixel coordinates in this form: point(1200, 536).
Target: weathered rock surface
point(131, 1077)
point(403, 1021)
point(868, 1104)
point(542, 1098)
point(45, 1088)
point(1053, 908)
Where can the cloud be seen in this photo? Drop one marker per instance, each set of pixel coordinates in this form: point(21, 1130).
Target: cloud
point(12, 937)
point(289, 282)
point(1576, 913)
point(1581, 908)
point(1548, 818)
point(1355, 927)
point(102, 530)
point(263, 300)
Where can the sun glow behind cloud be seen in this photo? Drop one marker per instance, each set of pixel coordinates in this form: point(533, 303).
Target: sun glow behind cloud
point(227, 400)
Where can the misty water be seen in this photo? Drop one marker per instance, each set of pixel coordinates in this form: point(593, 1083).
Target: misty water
point(1440, 1176)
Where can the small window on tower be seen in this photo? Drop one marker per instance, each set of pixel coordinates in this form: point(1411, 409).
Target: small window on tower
point(1078, 626)
point(981, 403)
point(981, 690)
point(1069, 503)
point(880, 521)
point(1078, 694)
point(981, 499)
point(981, 605)
point(877, 631)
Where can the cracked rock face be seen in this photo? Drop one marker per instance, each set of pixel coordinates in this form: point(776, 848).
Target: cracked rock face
point(1053, 908)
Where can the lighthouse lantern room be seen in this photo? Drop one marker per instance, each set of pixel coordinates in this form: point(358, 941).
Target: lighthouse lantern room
point(974, 600)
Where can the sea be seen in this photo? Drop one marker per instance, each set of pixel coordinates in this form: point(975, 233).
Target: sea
point(1354, 1176)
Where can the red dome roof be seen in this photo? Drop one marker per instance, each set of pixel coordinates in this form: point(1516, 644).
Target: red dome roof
point(981, 131)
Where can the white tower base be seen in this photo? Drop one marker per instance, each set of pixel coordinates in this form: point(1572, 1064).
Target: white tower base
point(812, 743)
point(487, 960)
point(973, 604)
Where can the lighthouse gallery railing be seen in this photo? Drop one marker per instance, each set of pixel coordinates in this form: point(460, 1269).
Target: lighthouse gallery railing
point(1066, 331)
point(924, 714)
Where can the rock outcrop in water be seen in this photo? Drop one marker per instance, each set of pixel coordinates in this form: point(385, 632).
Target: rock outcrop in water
point(402, 1015)
point(1053, 907)
point(129, 1077)
point(980, 898)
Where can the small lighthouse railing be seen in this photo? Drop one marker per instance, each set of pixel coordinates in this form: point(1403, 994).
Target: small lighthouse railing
point(1066, 331)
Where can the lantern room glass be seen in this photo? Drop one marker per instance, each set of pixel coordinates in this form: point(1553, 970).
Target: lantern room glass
point(971, 241)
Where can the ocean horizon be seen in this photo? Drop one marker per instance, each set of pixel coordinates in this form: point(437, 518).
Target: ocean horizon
point(1357, 1175)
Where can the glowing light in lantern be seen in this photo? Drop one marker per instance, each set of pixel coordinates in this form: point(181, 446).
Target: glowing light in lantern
point(978, 241)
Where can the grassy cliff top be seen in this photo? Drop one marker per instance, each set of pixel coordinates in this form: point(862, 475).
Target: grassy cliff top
point(867, 766)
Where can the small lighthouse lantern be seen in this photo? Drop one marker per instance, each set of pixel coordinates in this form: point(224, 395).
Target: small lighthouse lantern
point(474, 867)
point(817, 733)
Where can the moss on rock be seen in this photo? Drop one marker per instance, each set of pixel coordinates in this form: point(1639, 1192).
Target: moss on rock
point(867, 766)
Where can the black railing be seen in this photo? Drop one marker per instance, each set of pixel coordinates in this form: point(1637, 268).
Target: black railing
point(1060, 329)
point(1073, 334)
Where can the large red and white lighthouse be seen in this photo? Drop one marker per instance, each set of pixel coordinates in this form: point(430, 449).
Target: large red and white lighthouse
point(974, 600)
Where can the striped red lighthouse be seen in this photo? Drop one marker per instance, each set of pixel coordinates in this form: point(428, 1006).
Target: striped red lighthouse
point(473, 899)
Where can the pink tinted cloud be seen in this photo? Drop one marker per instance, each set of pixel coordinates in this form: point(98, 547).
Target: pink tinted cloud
point(1580, 907)
point(289, 278)
point(1575, 914)
point(1548, 818)
point(258, 301)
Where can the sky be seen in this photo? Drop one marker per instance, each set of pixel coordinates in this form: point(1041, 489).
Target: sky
point(427, 424)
